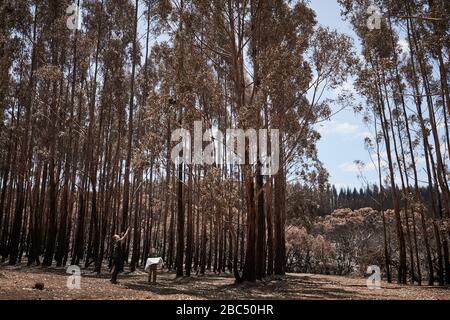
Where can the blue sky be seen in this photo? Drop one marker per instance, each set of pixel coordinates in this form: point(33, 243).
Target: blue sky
point(343, 136)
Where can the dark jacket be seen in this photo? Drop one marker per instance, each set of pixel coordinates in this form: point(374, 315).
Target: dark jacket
point(117, 250)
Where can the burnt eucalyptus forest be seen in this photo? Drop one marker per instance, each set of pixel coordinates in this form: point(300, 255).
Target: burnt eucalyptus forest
point(87, 113)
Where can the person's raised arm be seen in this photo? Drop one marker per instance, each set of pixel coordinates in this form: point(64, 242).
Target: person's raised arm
point(125, 235)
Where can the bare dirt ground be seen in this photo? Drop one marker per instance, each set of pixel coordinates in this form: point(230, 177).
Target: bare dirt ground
point(18, 283)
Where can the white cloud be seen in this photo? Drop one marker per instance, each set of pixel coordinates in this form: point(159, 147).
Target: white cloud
point(341, 128)
point(404, 46)
point(353, 167)
point(346, 86)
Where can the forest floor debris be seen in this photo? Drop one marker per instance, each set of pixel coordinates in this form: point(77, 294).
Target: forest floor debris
point(18, 282)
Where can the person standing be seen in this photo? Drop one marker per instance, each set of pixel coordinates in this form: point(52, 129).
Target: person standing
point(117, 255)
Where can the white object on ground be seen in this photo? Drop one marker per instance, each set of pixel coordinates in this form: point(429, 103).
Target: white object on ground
point(151, 261)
